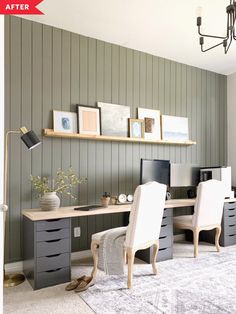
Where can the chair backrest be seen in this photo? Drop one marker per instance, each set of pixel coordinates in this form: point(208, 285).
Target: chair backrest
point(209, 204)
point(146, 214)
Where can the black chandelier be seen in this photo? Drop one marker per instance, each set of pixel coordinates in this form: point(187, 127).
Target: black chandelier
point(230, 32)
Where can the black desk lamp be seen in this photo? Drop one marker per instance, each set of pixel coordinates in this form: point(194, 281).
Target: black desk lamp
point(31, 141)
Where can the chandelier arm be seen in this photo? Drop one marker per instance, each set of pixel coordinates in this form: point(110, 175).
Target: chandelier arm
point(226, 49)
point(211, 36)
point(221, 43)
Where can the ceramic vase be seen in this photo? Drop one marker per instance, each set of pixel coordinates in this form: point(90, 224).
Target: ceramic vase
point(105, 201)
point(49, 201)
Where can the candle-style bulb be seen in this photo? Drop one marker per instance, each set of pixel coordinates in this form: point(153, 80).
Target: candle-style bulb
point(199, 12)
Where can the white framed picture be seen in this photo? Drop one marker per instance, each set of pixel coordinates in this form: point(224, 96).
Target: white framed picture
point(64, 121)
point(152, 128)
point(174, 128)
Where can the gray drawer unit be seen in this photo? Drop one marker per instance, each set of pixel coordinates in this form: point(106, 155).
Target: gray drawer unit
point(165, 240)
point(47, 250)
point(228, 225)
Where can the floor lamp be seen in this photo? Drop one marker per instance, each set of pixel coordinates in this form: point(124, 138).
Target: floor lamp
point(31, 141)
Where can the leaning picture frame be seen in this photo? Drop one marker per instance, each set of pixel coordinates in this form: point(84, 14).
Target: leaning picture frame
point(89, 120)
point(64, 121)
point(136, 128)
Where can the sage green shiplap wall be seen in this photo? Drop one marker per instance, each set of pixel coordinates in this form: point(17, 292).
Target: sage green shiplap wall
point(48, 68)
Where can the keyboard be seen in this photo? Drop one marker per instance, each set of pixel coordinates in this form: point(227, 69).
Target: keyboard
point(88, 207)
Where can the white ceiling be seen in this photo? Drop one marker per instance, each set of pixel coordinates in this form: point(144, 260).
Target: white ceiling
point(164, 28)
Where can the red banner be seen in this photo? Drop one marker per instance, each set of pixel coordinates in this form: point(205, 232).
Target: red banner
point(19, 7)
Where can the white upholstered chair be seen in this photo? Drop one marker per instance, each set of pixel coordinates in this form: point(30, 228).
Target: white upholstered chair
point(144, 225)
point(208, 211)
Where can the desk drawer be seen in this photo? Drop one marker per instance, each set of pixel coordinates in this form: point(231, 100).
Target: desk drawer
point(165, 254)
point(52, 234)
point(230, 240)
point(165, 242)
point(166, 230)
point(231, 205)
point(168, 212)
point(229, 220)
point(52, 277)
point(167, 220)
point(53, 262)
point(52, 224)
point(231, 229)
point(53, 247)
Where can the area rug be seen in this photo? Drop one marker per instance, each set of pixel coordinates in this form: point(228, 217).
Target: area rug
point(184, 285)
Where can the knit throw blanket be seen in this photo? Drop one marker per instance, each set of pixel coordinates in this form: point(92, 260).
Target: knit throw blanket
point(111, 251)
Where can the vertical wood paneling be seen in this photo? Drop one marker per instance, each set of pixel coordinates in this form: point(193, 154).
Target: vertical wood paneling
point(51, 69)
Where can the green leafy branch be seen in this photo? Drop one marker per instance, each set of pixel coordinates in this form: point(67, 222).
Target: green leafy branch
point(64, 182)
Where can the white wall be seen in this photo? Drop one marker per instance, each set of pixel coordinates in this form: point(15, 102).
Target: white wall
point(231, 114)
point(1, 151)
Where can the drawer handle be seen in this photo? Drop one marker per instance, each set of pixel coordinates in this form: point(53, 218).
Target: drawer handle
point(52, 271)
point(231, 202)
point(231, 225)
point(54, 255)
point(231, 209)
point(50, 241)
point(163, 225)
point(55, 230)
point(163, 249)
point(162, 237)
point(231, 235)
point(231, 215)
point(56, 219)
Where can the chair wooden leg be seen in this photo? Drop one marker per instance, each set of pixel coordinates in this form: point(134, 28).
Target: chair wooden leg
point(94, 249)
point(125, 256)
point(195, 240)
point(130, 254)
point(154, 258)
point(217, 238)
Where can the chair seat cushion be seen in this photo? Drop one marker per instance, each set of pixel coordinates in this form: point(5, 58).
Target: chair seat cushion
point(96, 237)
point(183, 221)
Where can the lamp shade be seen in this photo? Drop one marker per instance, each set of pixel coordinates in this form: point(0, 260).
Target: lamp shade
point(30, 139)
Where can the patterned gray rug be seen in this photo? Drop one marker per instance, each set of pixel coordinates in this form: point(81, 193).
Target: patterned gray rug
point(184, 285)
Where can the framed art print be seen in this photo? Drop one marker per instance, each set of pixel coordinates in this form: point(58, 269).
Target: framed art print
point(152, 127)
point(65, 122)
point(114, 119)
point(136, 128)
point(174, 128)
point(89, 120)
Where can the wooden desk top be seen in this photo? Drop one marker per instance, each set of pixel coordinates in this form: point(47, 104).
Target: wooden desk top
point(69, 212)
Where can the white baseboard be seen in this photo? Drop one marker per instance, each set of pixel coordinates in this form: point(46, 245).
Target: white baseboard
point(14, 267)
point(18, 266)
point(179, 237)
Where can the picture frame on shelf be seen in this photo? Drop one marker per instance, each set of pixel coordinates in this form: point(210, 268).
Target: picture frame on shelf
point(114, 119)
point(89, 120)
point(174, 128)
point(136, 128)
point(152, 123)
point(64, 121)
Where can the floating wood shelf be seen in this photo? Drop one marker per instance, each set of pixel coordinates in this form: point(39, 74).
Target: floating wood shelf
point(51, 133)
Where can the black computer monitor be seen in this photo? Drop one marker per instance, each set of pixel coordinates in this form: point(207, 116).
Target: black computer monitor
point(155, 170)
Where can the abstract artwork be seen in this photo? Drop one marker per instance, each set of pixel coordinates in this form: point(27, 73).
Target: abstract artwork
point(174, 128)
point(65, 122)
point(114, 119)
point(89, 120)
point(152, 123)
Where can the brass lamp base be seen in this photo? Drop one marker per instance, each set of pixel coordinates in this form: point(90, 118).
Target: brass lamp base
point(13, 280)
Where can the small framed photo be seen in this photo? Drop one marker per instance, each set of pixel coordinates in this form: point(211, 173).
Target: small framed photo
point(65, 122)
point(89, 120)
point(136, 128)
